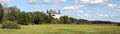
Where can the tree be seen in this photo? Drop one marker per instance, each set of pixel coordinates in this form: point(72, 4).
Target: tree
point(12, 14)
point(65, 20)
point(48, 19)
point(31, 17)
point(83, 21)
point(23, 18)
point(73, 20)
point(101, 22)
point(39, 17)
point(1, 12)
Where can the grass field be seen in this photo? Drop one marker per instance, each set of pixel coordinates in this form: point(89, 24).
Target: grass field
point(63, 29)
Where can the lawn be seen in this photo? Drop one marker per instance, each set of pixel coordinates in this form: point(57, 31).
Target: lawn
point(63, 29)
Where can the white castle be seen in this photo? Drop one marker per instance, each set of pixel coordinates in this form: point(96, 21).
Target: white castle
point(54, 14)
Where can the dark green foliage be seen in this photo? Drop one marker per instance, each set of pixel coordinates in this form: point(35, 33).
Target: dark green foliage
point(1, 13)
point(73, 20)
point(12, 14)
point(10, 25)
point(65, 20)
point(101, 22)
point(39, 17)
point(83, 21)
point(23, 19)
point(50, 18)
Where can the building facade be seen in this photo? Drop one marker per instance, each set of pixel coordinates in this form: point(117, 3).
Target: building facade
point(54, 14)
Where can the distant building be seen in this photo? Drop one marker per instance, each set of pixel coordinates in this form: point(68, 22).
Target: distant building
point(54, 14)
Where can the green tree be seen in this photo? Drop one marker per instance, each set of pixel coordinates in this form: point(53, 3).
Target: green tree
point(39, 17)
point(1, 12)
point(23, 18)
point(65, 20)
point(12, 14)
point(73, 20)
point(83, 21)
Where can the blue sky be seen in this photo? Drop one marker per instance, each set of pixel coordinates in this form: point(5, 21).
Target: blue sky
point(108, 10)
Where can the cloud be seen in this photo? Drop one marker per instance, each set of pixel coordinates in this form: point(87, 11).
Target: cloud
point(72, 8)
point(91, 1)
point(5, 0)
point(69, 8)
point(33, 1)
point(98, 2)
point(112, 5)
point(86, 15)
point(80, 11)
point(103, 15)
point(54, 1)
point(82, 1)
point(114, 17)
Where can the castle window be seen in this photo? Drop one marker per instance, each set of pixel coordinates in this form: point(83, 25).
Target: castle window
point(53, 15)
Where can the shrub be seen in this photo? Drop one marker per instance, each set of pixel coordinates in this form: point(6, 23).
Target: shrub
point(10, 25)
point(118, 24)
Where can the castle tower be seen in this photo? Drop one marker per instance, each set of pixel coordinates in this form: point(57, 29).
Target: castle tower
point(47, 11)
point(59, 12)
point(54, 14)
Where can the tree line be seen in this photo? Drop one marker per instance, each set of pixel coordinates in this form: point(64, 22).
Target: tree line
point(36, 17)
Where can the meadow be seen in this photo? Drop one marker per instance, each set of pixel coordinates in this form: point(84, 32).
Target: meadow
point(64, 29)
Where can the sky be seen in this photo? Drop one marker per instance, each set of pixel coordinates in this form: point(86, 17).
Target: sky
point(106, 10)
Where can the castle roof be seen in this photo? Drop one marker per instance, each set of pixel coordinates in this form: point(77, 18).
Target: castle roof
point(53, 12)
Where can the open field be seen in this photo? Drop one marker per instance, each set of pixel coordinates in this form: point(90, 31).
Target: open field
point(63, 29)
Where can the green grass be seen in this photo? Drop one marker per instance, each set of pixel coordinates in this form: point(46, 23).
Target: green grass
point(63, 29)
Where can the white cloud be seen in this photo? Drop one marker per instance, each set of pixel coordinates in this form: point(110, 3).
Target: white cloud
point(115, 17)
point(86, 14)
point(5, 0)
point(112, 5)
point(80, 11)
point(82, 1)
point(72, 8)
point(103, 15)
point(54, 1)
point(33, 1)
point(91, 1)
point(46, 1)
point(63, 0)
point(69, 8)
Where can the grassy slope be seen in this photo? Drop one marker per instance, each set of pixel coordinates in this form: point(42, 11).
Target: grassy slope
point(64, 29)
